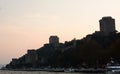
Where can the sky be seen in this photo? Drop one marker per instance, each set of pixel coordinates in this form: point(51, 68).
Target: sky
point(28, 24)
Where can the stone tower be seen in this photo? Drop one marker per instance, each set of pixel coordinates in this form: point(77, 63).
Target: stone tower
point(107, 25)
point(54, 40)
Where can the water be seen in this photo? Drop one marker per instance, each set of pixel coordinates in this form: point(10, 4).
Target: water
point(39, 72)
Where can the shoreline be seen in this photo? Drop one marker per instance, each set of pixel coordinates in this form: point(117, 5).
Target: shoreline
point(90, 70)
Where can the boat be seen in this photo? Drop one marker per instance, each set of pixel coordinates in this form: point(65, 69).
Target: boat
point(113, 67)
point(69, 70)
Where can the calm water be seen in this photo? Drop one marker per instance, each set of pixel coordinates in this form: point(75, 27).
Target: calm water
point(39, 72)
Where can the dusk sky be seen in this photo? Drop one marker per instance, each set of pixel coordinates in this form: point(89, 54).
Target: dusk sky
point(27, 24)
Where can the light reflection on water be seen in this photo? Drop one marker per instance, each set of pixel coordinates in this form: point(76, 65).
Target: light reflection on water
point(39, 72)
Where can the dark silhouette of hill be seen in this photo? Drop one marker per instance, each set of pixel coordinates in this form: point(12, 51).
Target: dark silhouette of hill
point(94, 50)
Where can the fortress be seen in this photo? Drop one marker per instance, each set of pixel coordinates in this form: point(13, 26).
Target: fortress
point(107, 25)
point(54, 53)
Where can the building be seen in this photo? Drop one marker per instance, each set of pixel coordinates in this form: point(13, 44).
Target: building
point(14, 61)
point(54, 40)
point(107, 25)
point(31, 56)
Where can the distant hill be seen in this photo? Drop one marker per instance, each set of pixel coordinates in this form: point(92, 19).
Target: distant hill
point(94, 50)
point(2, 65)
point(90, 51)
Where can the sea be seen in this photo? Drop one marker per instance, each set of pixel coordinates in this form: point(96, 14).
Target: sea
point(39, 72)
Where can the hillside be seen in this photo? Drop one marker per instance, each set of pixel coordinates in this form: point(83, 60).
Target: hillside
point(94, 50)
